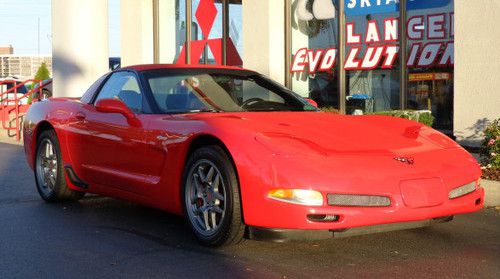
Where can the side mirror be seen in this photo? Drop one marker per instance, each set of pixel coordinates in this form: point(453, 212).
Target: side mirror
point(117, 106)
point(312, 102)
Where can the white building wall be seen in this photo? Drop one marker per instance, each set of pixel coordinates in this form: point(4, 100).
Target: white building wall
point(264, 37)
point(477, 68)
point(167, 29)
point(137, 32)
point(79, 44)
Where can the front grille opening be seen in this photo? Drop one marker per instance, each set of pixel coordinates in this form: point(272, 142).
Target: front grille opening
point(358, 200)
point(322, 218)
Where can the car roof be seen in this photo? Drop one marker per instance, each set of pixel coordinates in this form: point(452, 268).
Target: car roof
point(10, 78)
point(146, 67)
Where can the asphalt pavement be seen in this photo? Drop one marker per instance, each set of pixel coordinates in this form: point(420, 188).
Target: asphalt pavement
point(101, 237)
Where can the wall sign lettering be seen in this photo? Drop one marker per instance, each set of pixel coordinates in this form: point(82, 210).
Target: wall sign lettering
point(378, 45)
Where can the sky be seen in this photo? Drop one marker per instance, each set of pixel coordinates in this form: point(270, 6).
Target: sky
point(19, 25)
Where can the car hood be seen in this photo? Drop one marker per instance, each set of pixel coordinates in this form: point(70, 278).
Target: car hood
point(327, 133)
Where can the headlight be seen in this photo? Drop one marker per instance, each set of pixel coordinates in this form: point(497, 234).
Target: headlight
point(357, 200)
point(297, 196)
point(462, 190)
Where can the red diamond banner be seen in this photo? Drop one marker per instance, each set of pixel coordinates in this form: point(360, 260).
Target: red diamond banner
point(205, 14)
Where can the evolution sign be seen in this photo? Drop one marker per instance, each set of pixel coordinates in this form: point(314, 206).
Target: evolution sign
point(378, 47)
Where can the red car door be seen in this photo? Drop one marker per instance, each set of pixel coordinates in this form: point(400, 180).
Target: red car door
point(105, 149)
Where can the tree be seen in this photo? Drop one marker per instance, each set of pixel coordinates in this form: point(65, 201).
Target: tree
point(42, 73)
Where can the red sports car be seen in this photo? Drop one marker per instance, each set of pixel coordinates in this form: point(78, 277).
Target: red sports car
point(239, 155)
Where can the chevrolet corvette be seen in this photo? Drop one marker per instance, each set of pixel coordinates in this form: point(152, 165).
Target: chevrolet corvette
point(240, 156)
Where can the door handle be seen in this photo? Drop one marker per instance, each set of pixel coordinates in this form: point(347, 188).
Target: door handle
point(80, 116)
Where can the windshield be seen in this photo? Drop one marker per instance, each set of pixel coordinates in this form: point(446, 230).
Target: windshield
point(181, 93)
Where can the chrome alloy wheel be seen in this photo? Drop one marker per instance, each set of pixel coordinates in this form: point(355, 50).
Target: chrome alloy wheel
point(205, 197)
point(46, 166)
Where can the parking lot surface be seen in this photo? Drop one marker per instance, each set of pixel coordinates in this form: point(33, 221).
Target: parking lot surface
point(107, 238)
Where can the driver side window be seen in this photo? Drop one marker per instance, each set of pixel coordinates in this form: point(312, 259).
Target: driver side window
point(123, 86)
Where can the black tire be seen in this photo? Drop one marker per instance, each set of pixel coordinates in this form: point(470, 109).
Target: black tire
point(230, 229)
point(55, 190)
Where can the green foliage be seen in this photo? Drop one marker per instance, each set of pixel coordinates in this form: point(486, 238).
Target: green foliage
point(424, 117)
point(490, 147)
point(42, 73)
point(330, 109)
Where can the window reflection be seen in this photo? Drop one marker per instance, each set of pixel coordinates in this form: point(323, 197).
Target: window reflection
point(430, 60)
point(315, 27)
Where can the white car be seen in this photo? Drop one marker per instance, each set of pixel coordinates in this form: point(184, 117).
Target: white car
point(8, 84)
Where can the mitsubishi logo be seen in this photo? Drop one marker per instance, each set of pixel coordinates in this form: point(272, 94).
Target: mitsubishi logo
point(406, 160)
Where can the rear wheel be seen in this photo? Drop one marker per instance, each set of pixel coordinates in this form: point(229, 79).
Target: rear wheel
point(211, 197)
point(49, 173)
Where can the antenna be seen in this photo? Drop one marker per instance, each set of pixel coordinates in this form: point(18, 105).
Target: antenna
point(38, 36)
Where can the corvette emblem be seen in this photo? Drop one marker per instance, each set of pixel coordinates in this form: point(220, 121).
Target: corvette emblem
point(407, 160)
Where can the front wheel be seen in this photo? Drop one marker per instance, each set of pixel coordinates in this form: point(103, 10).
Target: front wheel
point(211, 197)
point(49, 174)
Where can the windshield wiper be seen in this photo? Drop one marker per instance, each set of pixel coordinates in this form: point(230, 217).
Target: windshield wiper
point(193, 111)
point(201, 110)
point(206, 110)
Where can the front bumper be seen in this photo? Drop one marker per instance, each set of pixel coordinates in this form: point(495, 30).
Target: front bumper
point(279, 215)
point(287, 235)
point(417, 192)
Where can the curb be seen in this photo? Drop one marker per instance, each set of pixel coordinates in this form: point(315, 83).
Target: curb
point(491, 192)
point(9, 141)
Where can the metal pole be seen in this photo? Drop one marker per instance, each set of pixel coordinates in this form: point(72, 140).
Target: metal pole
point(288, 43)
point(341, 58)
point(156, 31)
point(225, 30)
point(38, 36)
point(189, 21)
point(402, 55)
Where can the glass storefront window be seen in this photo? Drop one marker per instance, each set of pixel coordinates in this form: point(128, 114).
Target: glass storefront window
point(315, 30)
point(372, 65)
point(180, 23)
point(172, 28)
point(207, 32)
point(430, 59)
point(207, 24)
point(236, 26)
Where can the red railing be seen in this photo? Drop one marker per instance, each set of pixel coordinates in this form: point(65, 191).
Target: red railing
point(7, 81)
point(11, 104)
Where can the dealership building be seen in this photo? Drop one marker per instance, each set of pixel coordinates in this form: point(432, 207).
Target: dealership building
point(358, 56)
